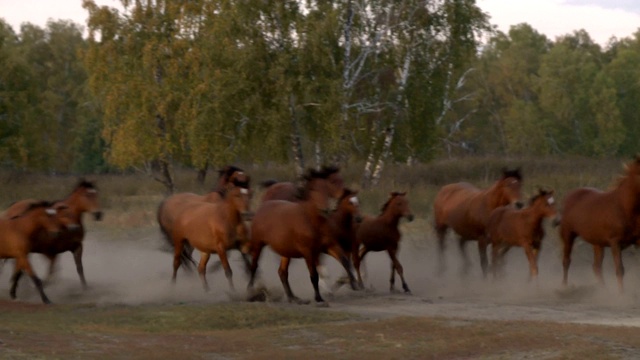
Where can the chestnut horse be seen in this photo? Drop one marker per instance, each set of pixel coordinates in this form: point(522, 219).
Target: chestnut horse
point(171, 207)
point(381, 233)
point(466, 209)
point(83, 199)
point(291, 192)
point(210, 228)
point(15, 240)
point(298, 230)
point(509, 227)
point(603, 219)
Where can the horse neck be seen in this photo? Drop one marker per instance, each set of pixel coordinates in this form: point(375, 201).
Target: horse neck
point(391, 218)
point(628, 196)
point(533, 215)
point(342, 218)
point(232, 212)
point(73, 202)
point(492, 197)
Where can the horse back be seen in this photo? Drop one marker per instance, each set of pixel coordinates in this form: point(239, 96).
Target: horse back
point(375, 234)
point(281, 191)
point(459, 206)
point(507, 224)
point(18, 208)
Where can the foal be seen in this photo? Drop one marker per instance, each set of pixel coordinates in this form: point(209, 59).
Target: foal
point(381, 233)
point(509, 227)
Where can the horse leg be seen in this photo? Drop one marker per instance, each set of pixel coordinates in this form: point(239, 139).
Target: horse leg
point(177, 253)
point(202, 269)
point(283, 272)
point(494, 259)
point(358, 261)
point(567, 240)
point(598, 257)
point(482, 249)
point(616, 251)
point(441, 232)
point(17, 274)
point(533, 266)
point(313, 274)
point(466, 264)
point(52, 267)
point(23, 264)
point(395, 263)
point(255, 257)
point(227, 268)
point(77, 257)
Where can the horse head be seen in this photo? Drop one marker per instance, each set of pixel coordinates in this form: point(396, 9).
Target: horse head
point(350, 204)
point(335, 180)
point(509, 187)
point(544, 201)
point(240, 199)
point(398, 205)
point(84, 198)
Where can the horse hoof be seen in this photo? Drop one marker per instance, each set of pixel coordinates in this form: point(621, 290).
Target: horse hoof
point(299, 301)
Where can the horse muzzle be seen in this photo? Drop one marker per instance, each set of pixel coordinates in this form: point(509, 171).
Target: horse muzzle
point(519, 204)
point(97, 215)
point(72, 227)
point(410, 217)
point(358, 219)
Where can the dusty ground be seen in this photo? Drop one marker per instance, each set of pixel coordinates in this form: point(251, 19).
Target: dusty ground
point(133, 267)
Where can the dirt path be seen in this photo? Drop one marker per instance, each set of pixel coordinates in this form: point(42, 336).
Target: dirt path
point(131, 268)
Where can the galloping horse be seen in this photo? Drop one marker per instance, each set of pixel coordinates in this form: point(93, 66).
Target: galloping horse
point(342, 226)
point(211, 228)
point(298, 230)
point(291, 192)
point(509, 227)
point(603, 219)
point(15, 240)
point(381, 233)
point(84, 198)
point(171, 207)
point(466, 209)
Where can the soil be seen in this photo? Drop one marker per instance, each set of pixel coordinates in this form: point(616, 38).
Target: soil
point(134, 268)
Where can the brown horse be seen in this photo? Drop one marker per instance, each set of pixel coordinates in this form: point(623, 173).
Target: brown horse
point(342, 226)
point(466, 209)
point(381, 233)
point(83, 199)
point(291, 192)
point(15, 240)
point(171, 207)
point(603, 219)
point(297, 230)
point(509, 227)
point(211, 228)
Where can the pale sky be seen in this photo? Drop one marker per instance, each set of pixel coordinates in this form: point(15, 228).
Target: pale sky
point(600, 18)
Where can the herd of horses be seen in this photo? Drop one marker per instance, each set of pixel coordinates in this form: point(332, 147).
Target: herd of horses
point(300, 220)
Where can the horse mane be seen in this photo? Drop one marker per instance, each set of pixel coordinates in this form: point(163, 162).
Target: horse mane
point(227, 171)
point(347, 193)
point(515, 173)
point(85, 184)
point(242, 184)
point(393, 195)
point(33, 206)
point(311, 174)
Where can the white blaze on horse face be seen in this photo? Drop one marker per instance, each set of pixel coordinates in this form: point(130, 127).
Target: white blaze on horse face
point(51, 212)
point(92, 191)
point(354, 200)
point(550, 200)
point(244, 191)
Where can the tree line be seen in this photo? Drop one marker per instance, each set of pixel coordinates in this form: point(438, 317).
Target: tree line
point(158, 84)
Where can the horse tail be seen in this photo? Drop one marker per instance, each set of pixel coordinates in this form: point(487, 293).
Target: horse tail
point(268, 183)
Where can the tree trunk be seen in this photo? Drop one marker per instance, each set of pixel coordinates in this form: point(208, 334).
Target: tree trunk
point(386, 151)
point(296, 143)
point(202, 173)
point(368, 166)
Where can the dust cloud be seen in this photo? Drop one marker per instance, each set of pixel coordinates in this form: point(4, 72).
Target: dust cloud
point(134, 268)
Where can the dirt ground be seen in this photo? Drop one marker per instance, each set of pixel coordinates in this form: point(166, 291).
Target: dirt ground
point(133, 268)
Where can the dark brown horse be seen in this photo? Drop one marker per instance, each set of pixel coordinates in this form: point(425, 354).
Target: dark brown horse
point(381, 233)
point(603, 219)
point(171, 207)
point(509, 227)
point(83, 199)
point(342, 227)
point(211, 228)
point(466, 209)
point(297, 230)
point(15, 240)
point(291, 192)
